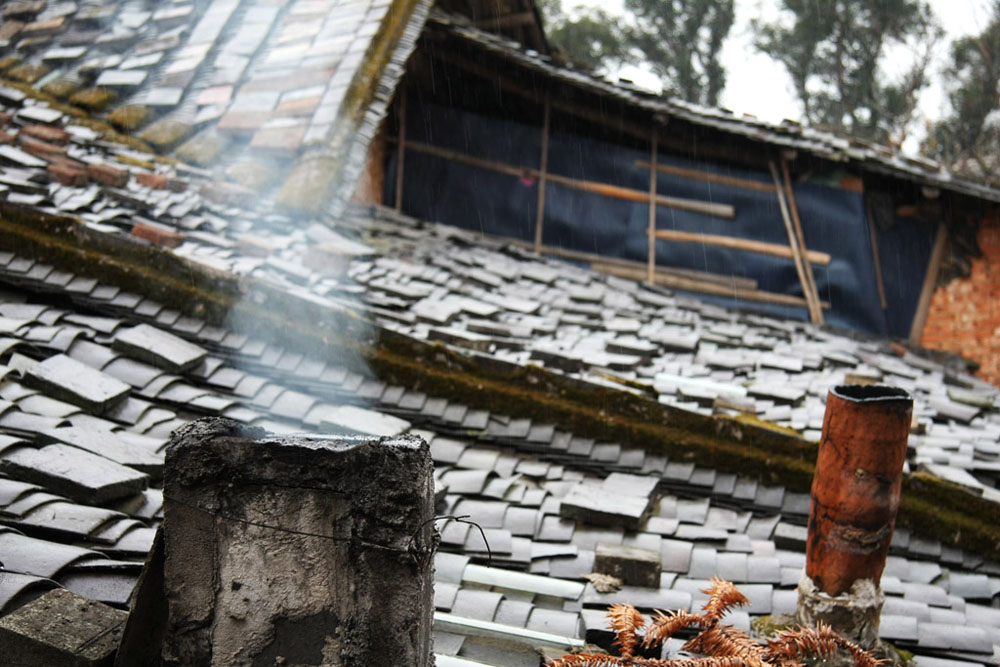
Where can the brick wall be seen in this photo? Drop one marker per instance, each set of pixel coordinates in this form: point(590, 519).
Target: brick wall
point(964, 316)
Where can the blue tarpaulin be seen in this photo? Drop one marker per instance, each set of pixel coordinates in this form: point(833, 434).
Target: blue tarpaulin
point(833, 218)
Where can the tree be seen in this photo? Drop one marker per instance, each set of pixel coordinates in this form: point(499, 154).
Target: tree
point(680, 40)
point(835, 51)
point(589, 38)
point(969, 137)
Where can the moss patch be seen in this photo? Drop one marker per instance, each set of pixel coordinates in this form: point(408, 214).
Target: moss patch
point(94, 100)
point(203, 149)
point(254, 174)
point(308, 189)
point(60, 88)
point(8, 62)
point(165, 134)
point(27, 73)
point(930, 507)
point(129, 117)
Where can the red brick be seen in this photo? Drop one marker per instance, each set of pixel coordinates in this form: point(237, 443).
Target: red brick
point(105, 174)
point(42, 149)
point(53, 135)
point(155, 181)
point(158, 235)
point(68, 172)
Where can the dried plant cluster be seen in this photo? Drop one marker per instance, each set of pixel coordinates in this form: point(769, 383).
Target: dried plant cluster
point(724, 645)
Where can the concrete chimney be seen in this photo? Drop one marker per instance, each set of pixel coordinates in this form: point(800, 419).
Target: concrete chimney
point(295, 550)
point(855, 497)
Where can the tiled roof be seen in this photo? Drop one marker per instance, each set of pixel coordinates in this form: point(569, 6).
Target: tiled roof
point(228, 83)
point(80, 502)
point(787, 134)
point(94, 376)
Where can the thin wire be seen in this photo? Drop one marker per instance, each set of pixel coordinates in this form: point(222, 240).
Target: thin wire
point(258, 524)
point(462, 518)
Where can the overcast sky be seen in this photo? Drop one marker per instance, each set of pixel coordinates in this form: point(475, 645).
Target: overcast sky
point(757, 85)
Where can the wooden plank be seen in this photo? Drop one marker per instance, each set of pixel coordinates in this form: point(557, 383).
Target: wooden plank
point(511, 20)
point(651, 231)
point(812, 301)
point(735, 243)
point(401, 149)
point(930, 282)
point(708, 177)
point(799, 235)
point(628, 194)
point(873, 234)
point(543, 171)
point(605, 189)
point(703, 287)
point(633, 268)
point(510, 86)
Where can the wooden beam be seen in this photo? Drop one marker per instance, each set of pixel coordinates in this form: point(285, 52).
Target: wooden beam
point(799, 235)
point(543, 171)
point(651, 230)
point(616, 121)
point(701, 287)
point(401, 149)
point(812, 300)
point(512, 20)
point(604, 189)
point(930, 282)
point(708, 177)
point(725, 150)
point(628, 267)
point(735, 243)
point(873, 234)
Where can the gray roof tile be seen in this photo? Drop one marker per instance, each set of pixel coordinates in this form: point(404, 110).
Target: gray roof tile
point(478, 604)
point(73, 472)
point(38, 557)
point(70, 380)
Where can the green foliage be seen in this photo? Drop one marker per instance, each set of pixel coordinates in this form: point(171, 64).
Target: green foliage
point(680, 40)
point(835, 53)
point(591, 39)
point(969, 137)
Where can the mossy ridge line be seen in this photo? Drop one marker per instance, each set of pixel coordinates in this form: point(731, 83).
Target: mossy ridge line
point(80, 116)
point(315, 180)
point(176, 282)
point(929, 507)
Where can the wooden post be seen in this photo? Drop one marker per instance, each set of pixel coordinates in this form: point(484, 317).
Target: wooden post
point(543, 171)
point(651, 232)
point(930, 282)
point(797, 225)
point(872, 232)
point(812, 300)
point(401, 149)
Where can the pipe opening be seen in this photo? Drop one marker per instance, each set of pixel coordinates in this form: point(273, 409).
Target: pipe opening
point(870, 393)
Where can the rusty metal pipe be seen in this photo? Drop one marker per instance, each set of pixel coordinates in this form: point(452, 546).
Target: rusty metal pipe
point(856, 487)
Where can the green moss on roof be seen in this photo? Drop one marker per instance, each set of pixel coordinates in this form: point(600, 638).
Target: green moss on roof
point(930, 507)
point(254, 174)
point(8, 62)
point(309, 187)
point(28, 73)
point(129, 117)
point(93, 99)
point(61, 88)
point(203, 149)
point(165, 134)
